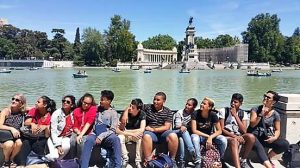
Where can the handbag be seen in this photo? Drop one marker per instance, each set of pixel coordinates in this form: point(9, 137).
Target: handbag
point(6, 135)
point(291, 158)
point(27, 132)
point(68, 163)
point(160, 160)
point(210, 157)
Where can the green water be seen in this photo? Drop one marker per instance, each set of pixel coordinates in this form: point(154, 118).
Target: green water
point(129, 84)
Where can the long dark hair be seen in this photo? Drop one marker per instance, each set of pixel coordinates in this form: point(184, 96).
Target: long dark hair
point(73, 101)
point(50, 104)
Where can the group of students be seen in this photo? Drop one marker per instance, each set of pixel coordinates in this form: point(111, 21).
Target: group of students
point(75, 129)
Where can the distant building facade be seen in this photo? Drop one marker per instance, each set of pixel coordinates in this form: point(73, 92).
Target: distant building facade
point(191, 55)
point(150, 55)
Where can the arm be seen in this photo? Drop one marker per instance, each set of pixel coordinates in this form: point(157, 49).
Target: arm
point(54, 131)
point(254, 119)
point(277, 129)
point(217, 132)
point(3, 115)
point(195, 131)
point(163, 128)
point(241, 124)
point(124, 117)
point(177, 120)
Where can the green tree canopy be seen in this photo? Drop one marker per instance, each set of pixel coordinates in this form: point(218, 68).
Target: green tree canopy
point(92, 47)
point(264, 38)
point(160, 42)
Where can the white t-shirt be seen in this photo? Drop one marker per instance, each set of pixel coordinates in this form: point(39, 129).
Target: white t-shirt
point(230, 119)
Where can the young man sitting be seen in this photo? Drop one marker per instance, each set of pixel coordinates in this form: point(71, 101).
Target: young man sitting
point(233, 122)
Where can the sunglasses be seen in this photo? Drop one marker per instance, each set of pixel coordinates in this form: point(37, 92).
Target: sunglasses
point(15, 99)
point(267, 97)
point(66, 101)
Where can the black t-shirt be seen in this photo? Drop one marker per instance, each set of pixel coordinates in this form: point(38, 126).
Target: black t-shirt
point(134, 122)
point(205, 125)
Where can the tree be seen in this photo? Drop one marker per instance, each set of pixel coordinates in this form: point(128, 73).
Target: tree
point(160, 42)
point(204, 43)
point(120, 42)
point(7, 49)
point(264, 38)
point(77, 43)
point(92, 47)
point(60, 43)
point(297, 32)
point(292, 50)
point(224, 41)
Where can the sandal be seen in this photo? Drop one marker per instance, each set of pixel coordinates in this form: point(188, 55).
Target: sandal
point(12, 164)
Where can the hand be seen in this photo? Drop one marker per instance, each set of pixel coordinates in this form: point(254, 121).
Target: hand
point(15, 133)
point(265, 110)
point(148, 128)
point(183, 129)
point(233, 111)
point(35, 128)
point(208, 143)
point(60, 150)
point(240, 139)
point(79, 139)
point(270, 139)
point(137, 135)
point(43, 127)
point(98, 141)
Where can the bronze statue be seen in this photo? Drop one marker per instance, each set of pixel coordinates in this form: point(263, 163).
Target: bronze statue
point(191, 20)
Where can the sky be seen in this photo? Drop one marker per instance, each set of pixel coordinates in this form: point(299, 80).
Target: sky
point(149, 17)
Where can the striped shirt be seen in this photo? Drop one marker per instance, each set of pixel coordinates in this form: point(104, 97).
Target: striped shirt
point(155, 118)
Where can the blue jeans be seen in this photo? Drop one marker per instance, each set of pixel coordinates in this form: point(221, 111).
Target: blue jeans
point(184, 140)
point(110, 143)
point(220, 141)
point(158, 137)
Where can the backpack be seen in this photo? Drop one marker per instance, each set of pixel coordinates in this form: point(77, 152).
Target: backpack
point(291, 158)
point(210, 158)
point(160, 160)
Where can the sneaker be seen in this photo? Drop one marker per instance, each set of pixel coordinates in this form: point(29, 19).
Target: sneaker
point(198, 165)
point(193, 154)
point(245, 164)
point(5, 164)
point(124, 165)
point(138, 165)
point(174, 163)
point(181, 164)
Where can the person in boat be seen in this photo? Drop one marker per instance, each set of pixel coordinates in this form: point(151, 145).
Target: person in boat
point(265, 125)
point(233, 122)
point(104, 132)
point(203, 123)
point(11, 119)
point(181, 125)
point(158, 124)
point(38, 118)
point(84, 118)
point(79, 72)
point(132, 130)
point(62, 122)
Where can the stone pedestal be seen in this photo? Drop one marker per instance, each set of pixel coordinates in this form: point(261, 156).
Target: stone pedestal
point(289, 105)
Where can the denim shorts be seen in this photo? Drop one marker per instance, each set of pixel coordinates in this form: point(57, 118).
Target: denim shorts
point(158, 137)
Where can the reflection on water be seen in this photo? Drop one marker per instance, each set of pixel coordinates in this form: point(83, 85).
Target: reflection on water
point(129, 84)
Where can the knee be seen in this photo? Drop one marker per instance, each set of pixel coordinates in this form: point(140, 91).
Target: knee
point(249, 137)
point(18, 143)
point(233, 142)
point(147, 138)
point(172, 137)
point(8, 144)
point(122, 138)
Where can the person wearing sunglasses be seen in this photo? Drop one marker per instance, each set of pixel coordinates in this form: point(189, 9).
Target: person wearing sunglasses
point(11, 119)
point(62, 121)
point(265, 125)
point(38, 119)
point(84, 118)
